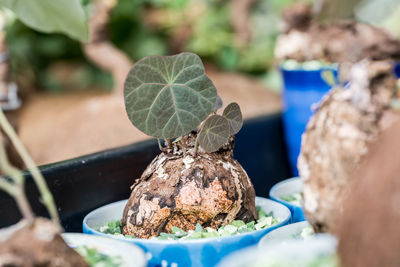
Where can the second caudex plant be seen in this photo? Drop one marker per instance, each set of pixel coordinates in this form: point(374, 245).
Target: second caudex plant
point(195, 179)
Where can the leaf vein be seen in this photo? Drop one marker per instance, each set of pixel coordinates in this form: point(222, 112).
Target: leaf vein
point(157, 70)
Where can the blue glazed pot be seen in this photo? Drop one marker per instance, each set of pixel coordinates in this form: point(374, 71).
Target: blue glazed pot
point(285, 188)
point(302, 89)
point(198, 252)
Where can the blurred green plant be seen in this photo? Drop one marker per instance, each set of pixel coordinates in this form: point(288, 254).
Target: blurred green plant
point(159, 27)
point(382, 13)
point(148, 27)
point(49, 16)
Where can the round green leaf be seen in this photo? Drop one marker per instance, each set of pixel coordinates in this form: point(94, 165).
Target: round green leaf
point(214, 133)
point(234, 116)
point(167, 97)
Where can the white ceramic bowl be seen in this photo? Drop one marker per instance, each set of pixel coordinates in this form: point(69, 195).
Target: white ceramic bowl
point(294, 253)
point(282, 234)
point(286, 188)
point(130, 255)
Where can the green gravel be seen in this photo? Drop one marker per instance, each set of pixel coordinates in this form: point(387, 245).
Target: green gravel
point(265, 220)
point(294, 198)
point(97, 259)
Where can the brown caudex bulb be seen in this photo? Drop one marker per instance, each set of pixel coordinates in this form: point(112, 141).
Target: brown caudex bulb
point(180, 189)
point(37, 243)
point(304, 38)
point(337, 137)
point(369, 233)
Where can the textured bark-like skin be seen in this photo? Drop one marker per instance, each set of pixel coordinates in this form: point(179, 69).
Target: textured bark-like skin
point(337, 137)
point(305, 39)
point(369, 232)
point(179, 189)
point(38, 244)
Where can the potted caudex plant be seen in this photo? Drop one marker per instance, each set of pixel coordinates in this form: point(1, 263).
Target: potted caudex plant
point(310, 45)
point(194, 203)
point(47, 245)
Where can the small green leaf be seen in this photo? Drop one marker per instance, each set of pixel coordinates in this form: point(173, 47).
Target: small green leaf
point(65, 16)
point(167, 97)
point(214, 133)
point(328, 77)
point(234, 116)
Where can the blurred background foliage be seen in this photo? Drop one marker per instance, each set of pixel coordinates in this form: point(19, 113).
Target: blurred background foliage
point(158, 27)
point(147, 27)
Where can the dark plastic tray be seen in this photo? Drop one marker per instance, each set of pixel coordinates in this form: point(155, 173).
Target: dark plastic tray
point(82, 184)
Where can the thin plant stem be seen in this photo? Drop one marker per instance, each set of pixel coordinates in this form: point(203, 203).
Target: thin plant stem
point(169, 143)
point(14, 186)
point(7, 187)
point(46, 196)
point(196, 145)
point(159, 144)
point(8, 169)
point(23, 204)
point(181, 146)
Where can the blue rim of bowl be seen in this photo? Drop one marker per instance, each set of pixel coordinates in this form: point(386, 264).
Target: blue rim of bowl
point(278, 199)
point(89, 230)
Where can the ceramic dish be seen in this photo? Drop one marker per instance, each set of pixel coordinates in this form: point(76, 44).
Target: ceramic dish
point(287, 188)
point(126, 255)
point(319, 251)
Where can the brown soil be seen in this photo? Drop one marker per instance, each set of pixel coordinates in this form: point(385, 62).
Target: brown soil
point(342, 41)
point(38, 244)
point(59, 127)
point(179, 189)
point(337, 137)
point(369, 232)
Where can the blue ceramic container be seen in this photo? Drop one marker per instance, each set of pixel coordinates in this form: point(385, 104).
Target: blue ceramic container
point(199, 252)
point(302, 89)
point(285, 188)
